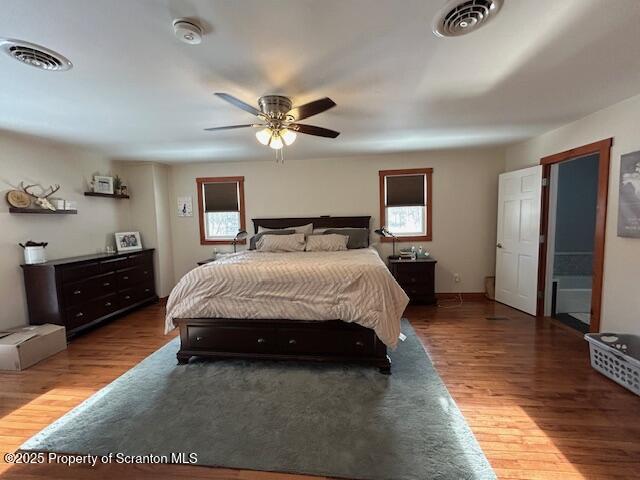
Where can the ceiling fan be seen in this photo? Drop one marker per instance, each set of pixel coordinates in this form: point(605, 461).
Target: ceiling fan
point(280, 119)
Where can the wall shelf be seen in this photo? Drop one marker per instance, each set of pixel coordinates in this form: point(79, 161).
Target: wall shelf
point(42, 211)
point(109, 195)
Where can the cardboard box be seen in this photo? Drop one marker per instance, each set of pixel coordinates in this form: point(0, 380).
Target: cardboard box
point(25, 346)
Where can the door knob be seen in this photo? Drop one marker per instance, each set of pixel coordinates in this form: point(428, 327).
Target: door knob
point(499, 245)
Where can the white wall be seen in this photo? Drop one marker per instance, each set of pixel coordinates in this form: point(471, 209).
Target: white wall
point(621, 292)
point(33, 160)
point(464, 203)
point(148, 208)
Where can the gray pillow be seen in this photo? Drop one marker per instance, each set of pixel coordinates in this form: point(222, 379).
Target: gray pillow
point(258, 236)
point(358, 237)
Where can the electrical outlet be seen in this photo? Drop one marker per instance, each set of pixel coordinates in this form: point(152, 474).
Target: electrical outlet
point(456, 277)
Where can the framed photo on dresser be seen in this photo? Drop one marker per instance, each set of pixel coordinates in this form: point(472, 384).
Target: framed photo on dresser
point(128, 241)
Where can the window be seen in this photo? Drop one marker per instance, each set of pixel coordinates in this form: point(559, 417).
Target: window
point(405, 203)
point(221, 209)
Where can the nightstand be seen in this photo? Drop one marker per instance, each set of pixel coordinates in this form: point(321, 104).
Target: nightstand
point(208, 260)
point(416, 277)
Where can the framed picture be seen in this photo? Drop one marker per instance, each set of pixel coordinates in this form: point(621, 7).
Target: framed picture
point(629, 203)
point(128, 241)
point(185, 207)
point(103, 184)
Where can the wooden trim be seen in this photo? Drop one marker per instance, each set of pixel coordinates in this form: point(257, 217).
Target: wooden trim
point(428, 172)
point(603, 149)
point(466, 296)
point(199, 182)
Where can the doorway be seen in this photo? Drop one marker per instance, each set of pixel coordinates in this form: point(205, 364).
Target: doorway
point(574, 205)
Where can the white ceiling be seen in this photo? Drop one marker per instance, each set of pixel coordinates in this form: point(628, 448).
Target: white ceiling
point(136, 92)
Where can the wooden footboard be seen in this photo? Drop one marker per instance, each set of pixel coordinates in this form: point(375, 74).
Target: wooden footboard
point(320, 341)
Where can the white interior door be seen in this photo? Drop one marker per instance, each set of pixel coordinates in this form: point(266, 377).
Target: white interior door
point(517, 247)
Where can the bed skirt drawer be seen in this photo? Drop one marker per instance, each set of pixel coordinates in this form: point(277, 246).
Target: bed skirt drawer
point(321, 342)
point(297, 340)
point(232, 339)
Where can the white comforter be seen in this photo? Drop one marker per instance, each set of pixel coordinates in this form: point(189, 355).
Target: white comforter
point(353, 286)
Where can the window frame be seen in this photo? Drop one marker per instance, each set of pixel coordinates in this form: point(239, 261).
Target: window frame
point(428, 173)
point(200, 181)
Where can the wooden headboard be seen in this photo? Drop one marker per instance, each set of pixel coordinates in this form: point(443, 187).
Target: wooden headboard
point(318, 222)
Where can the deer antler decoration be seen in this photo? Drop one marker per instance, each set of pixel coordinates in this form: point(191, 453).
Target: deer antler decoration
point(41, 200)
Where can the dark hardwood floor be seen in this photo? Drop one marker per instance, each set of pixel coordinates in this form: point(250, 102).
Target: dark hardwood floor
point(524, 385)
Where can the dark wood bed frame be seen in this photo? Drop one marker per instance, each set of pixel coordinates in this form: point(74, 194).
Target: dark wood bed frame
point(280, 339)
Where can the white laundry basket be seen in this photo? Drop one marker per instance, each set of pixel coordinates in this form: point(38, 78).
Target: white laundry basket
point(616, 356)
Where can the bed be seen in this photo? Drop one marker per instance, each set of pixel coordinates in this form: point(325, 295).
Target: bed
point(321, 306)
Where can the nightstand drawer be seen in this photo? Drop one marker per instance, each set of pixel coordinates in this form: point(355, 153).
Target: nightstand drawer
point(416, 277)
point(412, 278)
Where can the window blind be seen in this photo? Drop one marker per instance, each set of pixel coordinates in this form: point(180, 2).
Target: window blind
point(221, 197)
point(405, 191)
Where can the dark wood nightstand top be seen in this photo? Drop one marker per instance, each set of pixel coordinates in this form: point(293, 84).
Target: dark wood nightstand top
point(208, 260)
point(428, 259)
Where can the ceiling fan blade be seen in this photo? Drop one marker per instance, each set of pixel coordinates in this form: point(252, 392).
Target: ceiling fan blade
point(239, 103)
point(231, 127)
point(312, 108)
point(313, 130)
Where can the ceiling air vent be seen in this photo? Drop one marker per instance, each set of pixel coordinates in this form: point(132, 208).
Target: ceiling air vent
point(35, 55)
point(459, 17)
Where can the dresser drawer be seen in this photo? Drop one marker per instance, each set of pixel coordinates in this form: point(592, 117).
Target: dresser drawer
point(147, 290)
point(80, 292)
point(78, 272)
point(143, 259)
point(232, 339)
point(129, 277)
point(81, 315)
point(114, 264)
point(108, 304)
point(136, 294)
point(90, 311)
point(128, 297)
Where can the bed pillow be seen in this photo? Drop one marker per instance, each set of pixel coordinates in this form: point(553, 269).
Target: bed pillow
point(327, 243)
point(253, 243)
point(306, 229)
point(358, 237)
point(282, 243)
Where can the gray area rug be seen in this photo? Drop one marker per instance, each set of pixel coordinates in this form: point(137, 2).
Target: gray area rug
point(339, 421)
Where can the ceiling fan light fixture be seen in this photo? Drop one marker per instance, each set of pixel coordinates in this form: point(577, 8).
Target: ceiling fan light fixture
point(289, 136)
point(264, 136)
point(276, 142)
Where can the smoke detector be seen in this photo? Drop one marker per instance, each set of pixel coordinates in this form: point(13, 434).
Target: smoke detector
point(187, 31)
point(34, 55)
point(459, 17)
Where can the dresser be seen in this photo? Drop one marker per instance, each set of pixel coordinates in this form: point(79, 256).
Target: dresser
point(81, 292)
point(416, 277)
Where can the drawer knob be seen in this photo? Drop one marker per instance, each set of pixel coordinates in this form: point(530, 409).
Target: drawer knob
point(79, 314)
point(146, 272)
point(77, 292)
point(106, 284)
point(146, 290)
point(261, 340)
point(108, 304)
point(198, 339)
point(359, 344)
point(127, 297)
point(292, 341)
point(125, 278)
